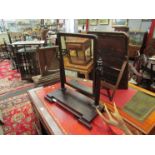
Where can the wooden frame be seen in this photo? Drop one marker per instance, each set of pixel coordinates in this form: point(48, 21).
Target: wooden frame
point(86, 111)
point(103, 21)
point(146, 20)
point(112, 51)
point(93, 22)
point(81, 21)
point(119, 22)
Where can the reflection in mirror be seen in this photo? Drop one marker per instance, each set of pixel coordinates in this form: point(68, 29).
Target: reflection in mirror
point(78, 56)
point(79, 50)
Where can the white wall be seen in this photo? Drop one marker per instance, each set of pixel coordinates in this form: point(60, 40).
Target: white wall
point(138, 25)
point(133, 24)
point(71, 25)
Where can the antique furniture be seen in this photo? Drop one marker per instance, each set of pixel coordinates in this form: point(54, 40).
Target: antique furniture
point(1, 130)
point(137, 44)
point(56, 120)
point(12, 56)
point(3, 52)
point(33, 42)
point(144, 65)
point(77, 49)
point(152, 64)
point(121, 28)
point(144, 43)
point(81, 106)
point(44, 32)
point(150, 49)
point(1, 123)
point(112, 58)
point(133, 51)
point(82, 69)
point(26, 58)
point(136, 52)
point(48, 65)
point(1, 118)
point(120, 25)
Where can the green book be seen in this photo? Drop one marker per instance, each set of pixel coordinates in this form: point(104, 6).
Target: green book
point(140, 106)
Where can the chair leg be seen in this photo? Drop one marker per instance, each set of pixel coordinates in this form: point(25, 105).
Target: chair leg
point(1, 119)
point(109, 95)
point(1, 131)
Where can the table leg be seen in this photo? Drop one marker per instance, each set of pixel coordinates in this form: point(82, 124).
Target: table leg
point(86, 75)
point(1, 118)
point(77, 53)
point(152, 72)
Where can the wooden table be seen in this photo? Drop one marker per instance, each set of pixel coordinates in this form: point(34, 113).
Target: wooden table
point(33, 42)
point(58, 121)
point(83, 69)
point(78, 44)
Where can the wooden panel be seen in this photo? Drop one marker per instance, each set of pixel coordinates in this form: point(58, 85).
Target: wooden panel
point(43, 114)
point(112, 47)
point(133, 50)
point(47, 59)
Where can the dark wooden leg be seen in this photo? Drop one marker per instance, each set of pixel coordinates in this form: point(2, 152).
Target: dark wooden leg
point(62, 71)
point(1, 119)
point(151, 72)
point(109, 95)
point(97, 88)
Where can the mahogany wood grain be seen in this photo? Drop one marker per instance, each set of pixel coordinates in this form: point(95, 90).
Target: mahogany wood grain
point(44, 116)
point(58, 121)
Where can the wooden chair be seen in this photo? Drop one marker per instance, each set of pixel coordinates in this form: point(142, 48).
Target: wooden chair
point(27, 63)
point(144, 43)
point(12, 56)
point(48, 65)
point(144, 66)
point(150, 49)
point(112, 60)
point(141, 60)
point(4, 54)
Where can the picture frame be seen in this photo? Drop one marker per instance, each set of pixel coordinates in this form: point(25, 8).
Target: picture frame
point(103, 21)
point(92, 22)
point(146, 20)
point(81, 21)
point(120, 22)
